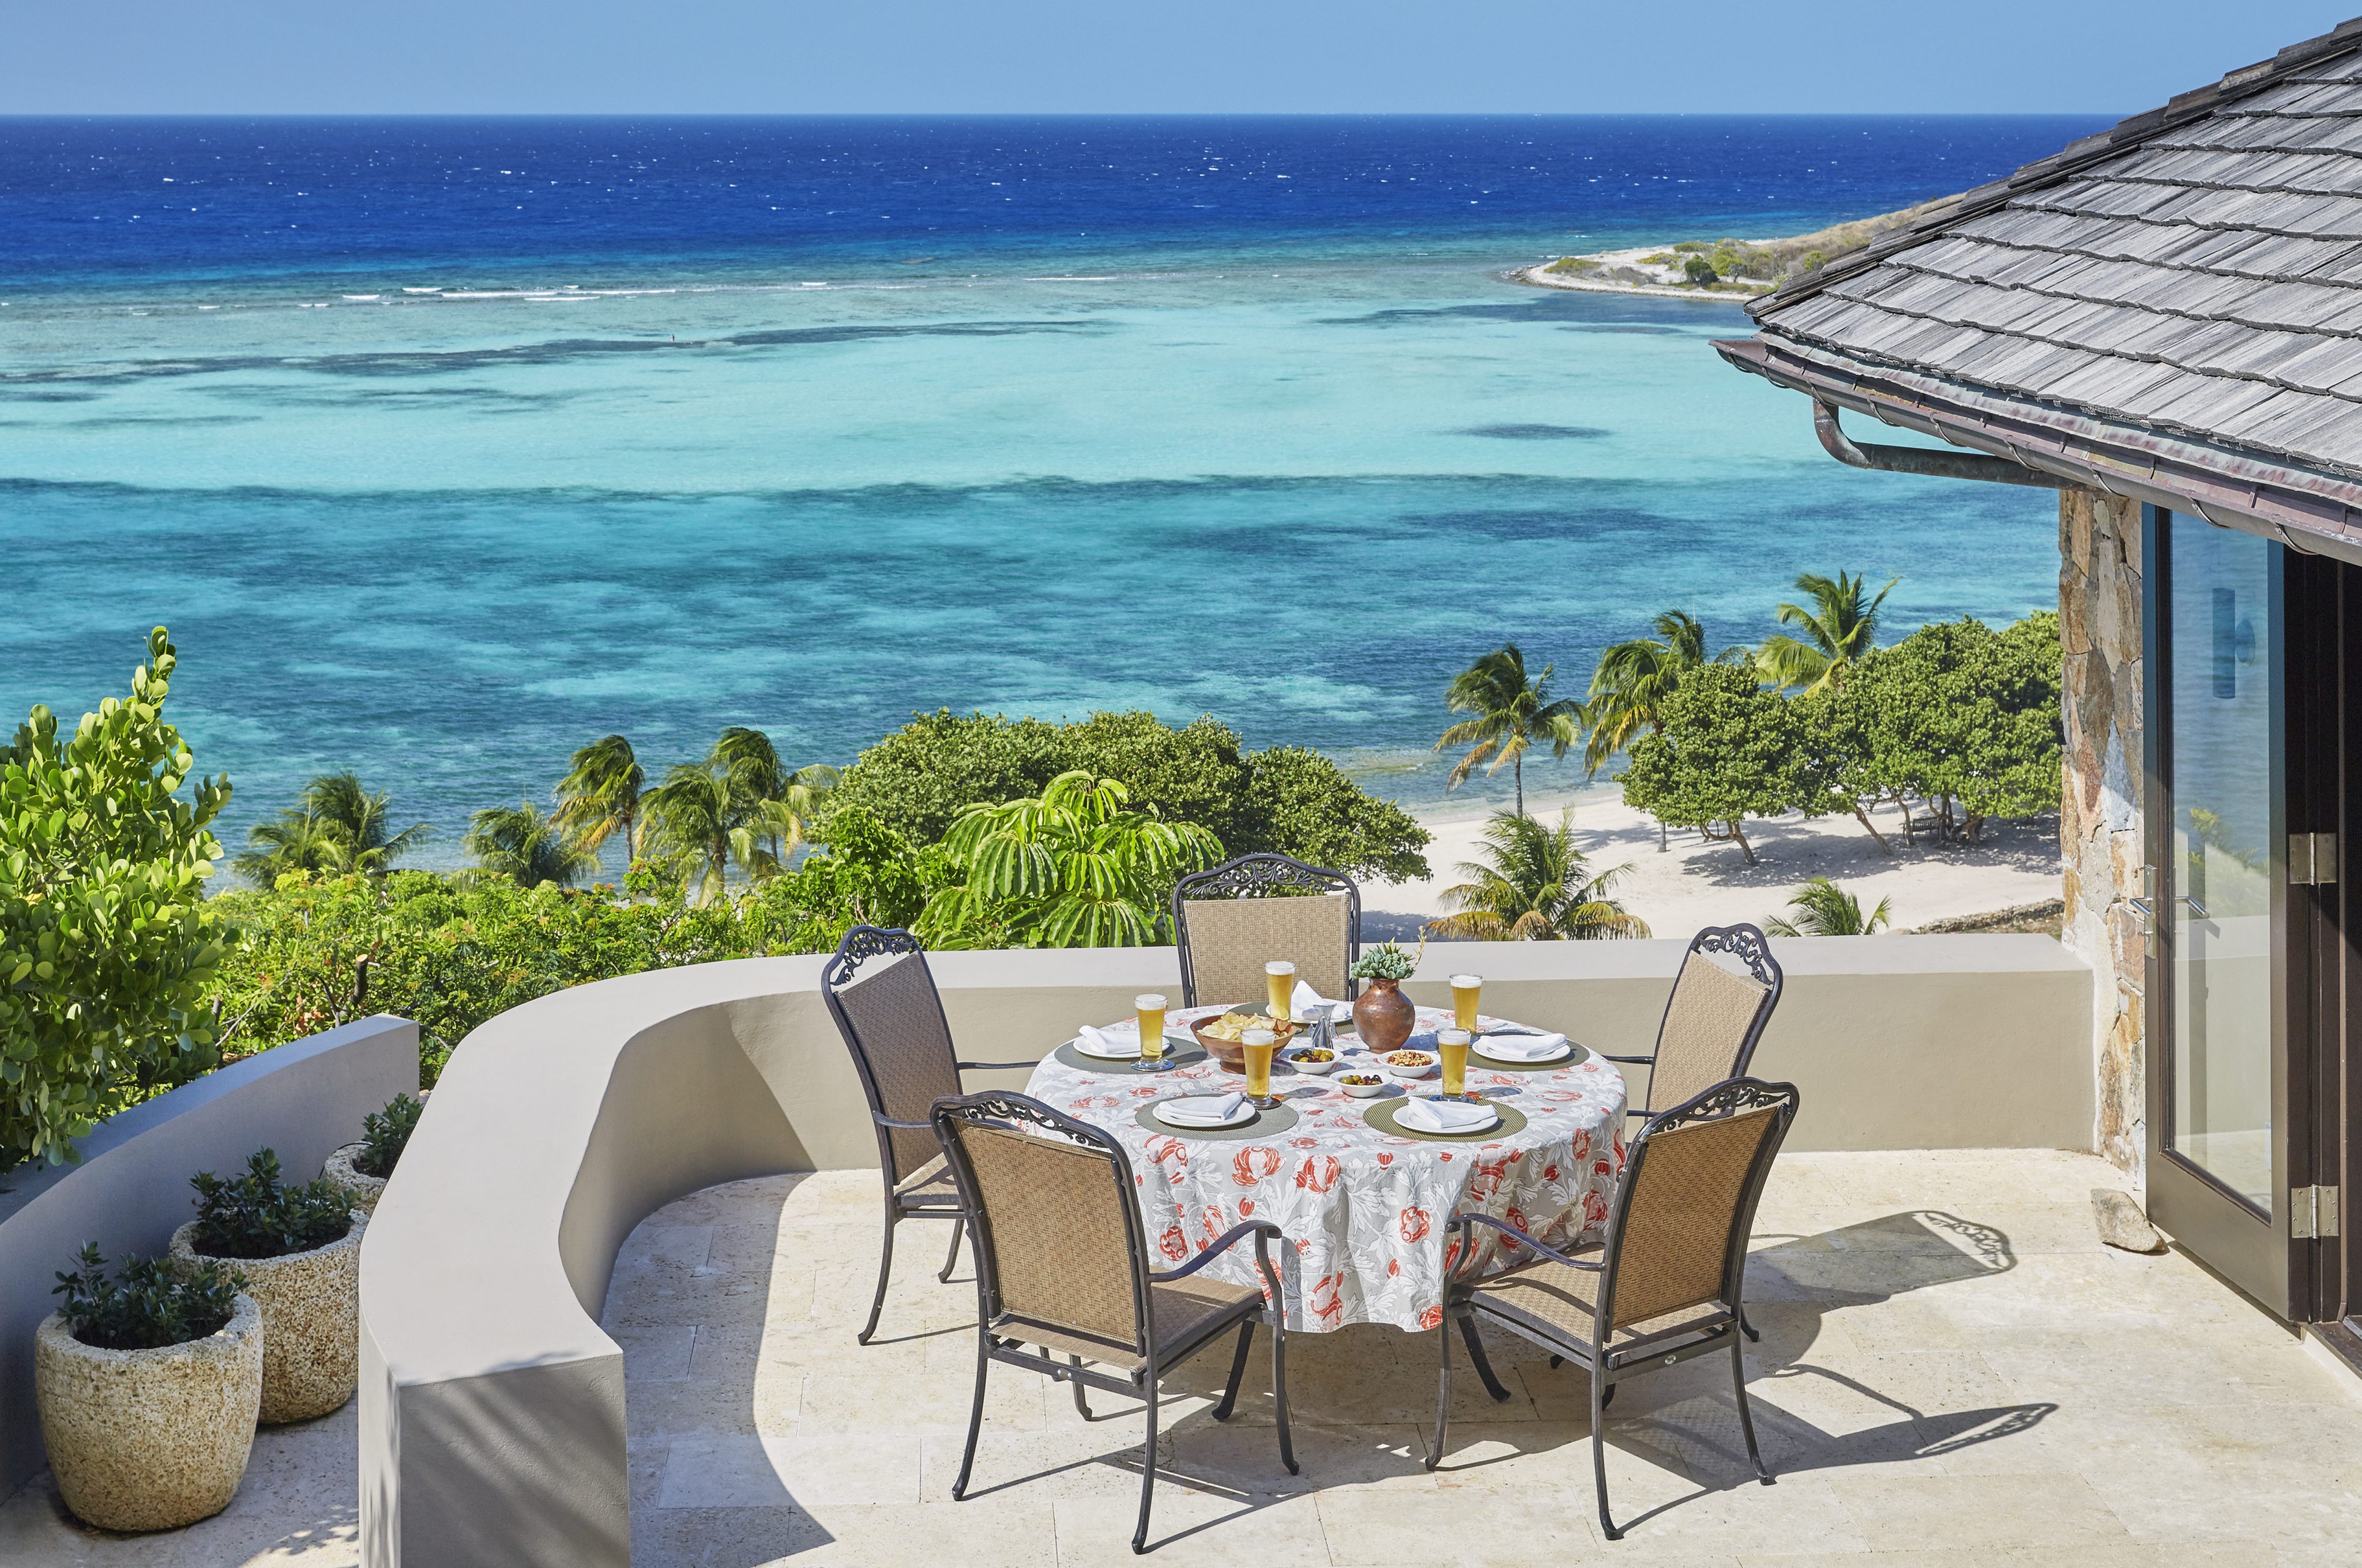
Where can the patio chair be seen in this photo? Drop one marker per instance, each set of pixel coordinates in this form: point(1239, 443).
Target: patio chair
point(1712, 1019)
point(1062, 1262)
point(892, 1020)
point(1664, 1287)
point(1232, 921)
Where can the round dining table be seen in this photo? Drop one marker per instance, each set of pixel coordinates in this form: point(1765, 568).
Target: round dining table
point(1362, 1209)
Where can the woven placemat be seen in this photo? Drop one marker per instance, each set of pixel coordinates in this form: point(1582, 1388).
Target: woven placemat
point(1382, 1117)
point(1265, 1124)
point(1179, 1055)
point(1575, 1056)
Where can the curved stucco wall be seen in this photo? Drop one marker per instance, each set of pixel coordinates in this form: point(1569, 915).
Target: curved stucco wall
point(131, 1185)
point(493, 1403)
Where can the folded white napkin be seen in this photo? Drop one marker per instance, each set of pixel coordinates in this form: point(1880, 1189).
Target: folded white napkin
point(1097, 1042)
point(1304, 999)
point(1522, 1047)
point(1445, 1115)
point(1202, 1110)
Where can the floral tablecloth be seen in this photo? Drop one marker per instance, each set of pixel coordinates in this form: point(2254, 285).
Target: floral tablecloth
point(1362, 1211)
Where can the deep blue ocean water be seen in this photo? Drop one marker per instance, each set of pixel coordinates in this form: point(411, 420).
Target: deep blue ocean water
point(444, 446)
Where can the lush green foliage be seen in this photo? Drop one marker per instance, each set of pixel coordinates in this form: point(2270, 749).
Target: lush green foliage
point(1534, 885)
point(600, 795)
point(1634, 677)
point(257, 1215)
point(107, 945)
point(915, 783)
point(1824, 909)
point(521, 844)
point(739, 806)
point(385, 1133)
point(148, 1304)
point(335, 825)
point(1072, 868)
point(1729, 750)
point(1839, 626)
point(1508, 711)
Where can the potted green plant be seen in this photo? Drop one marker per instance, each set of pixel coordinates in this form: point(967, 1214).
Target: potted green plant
point(298, 1248)
point(148, 1386)
point(1383, 1016)
point(362, 1168)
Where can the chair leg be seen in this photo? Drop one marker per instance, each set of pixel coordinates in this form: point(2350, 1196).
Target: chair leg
point(1442, 1396)
point(1557, 1361)
point(1238, 1372)
point(885, 1273)
point(1279, 1389)
point(974, 1414)
point(1476, 1353)
point(959, 1229)
point(1746, 1417)
point(1599, 1458)
point(1082, 1406)
point(1147, 1471)
point(1753, 1333)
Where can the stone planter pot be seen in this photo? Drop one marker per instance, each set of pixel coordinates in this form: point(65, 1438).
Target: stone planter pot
point(149, 1438)
point(365, 1190)
point(311, 1321)
point(1383, 1016)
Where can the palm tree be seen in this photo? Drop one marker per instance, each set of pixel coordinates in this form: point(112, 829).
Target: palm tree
point(1535, 886)
point(335, 825)
point(1824, 909)
point(520, 842)
point(601, 798)
point(1839, 628)
point(1512, 711)
point(775, 806)
point(690, 818)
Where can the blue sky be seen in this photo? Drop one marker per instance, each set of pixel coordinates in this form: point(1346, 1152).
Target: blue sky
point(1123, 56)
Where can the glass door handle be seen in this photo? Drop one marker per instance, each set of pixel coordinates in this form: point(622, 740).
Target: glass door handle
point(2195, 907)
point(2147, 912)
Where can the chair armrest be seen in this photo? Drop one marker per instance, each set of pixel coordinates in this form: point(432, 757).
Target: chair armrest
point(1635, 1061)
point(905, 1126)
point(964, 1066)
point(1460, 1221)
point(1262, 1233)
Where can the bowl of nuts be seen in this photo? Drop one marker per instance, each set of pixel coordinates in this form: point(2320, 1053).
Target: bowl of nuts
point(1408, 1067)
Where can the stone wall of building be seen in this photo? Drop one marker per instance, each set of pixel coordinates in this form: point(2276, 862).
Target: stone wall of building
point(2099, 815)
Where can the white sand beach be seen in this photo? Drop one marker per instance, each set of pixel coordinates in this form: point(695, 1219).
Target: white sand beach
point(1692, 882)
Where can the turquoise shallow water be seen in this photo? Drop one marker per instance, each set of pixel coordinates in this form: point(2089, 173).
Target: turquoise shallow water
point(1294, 481)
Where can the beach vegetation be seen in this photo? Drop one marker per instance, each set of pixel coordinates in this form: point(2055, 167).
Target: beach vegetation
point(1730, 749)
point(520, 843)
point(1821, 908)
point(1534, 885)
point(738, 806)
point(1837, 626)
point(1662, 259)
point(1076, 867)
point(1692, 245)
point(335, 825)
point(108, 947)
point(599, 798)
point(1699, 271)
point(1509, 710)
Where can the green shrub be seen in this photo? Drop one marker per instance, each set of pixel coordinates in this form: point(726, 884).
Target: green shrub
point(1699, 271)
point(385, 1133)
point(258, 1216)
point(148, 1304)
point(1690, 245)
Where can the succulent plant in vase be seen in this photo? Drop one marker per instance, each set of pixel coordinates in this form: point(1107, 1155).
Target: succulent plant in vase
point(1383, 1016)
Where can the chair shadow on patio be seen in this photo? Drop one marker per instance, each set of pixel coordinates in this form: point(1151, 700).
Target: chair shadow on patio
point(759, 1429)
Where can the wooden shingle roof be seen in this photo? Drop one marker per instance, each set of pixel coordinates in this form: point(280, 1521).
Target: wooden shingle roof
point(2175, 303)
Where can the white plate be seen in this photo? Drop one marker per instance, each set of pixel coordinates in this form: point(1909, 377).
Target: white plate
point(1127, 1048)
point(1561, 1054)
point(1492, 1119)
point(1244, 1112)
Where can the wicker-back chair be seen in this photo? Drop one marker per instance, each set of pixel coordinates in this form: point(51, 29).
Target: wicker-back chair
point(1665, 1286)
point(1232, 921)
point(1062, 1262)
point(1712, 1019)
point(882, 996)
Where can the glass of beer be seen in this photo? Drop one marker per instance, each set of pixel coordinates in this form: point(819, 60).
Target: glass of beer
point(1150, 1008)
point(1452, 1044)
point(1279, 989)
point(1464, 992)
point(1256, 1045)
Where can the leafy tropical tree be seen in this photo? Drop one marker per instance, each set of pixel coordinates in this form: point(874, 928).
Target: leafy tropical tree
point(1840, 626)
point(1964, 716)
point(520, 842)
point(107, 943)
point(600, 798)
point(1074, 867)
point(335, 825)
point(690, 818)
point(1510, 711)
point(1634, 677)
point(774, 806)
point(1824, 909)
point(1534, 885)
point(1729, 750)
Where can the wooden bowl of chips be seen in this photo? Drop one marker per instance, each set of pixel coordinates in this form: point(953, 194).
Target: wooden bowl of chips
point(1220, 1034)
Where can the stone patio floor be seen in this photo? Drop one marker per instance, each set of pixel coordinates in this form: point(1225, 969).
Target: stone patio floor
point(1953, 1372)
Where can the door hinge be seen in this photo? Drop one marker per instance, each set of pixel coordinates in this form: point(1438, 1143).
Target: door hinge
point(2313, 1214)
point(2312, 859)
